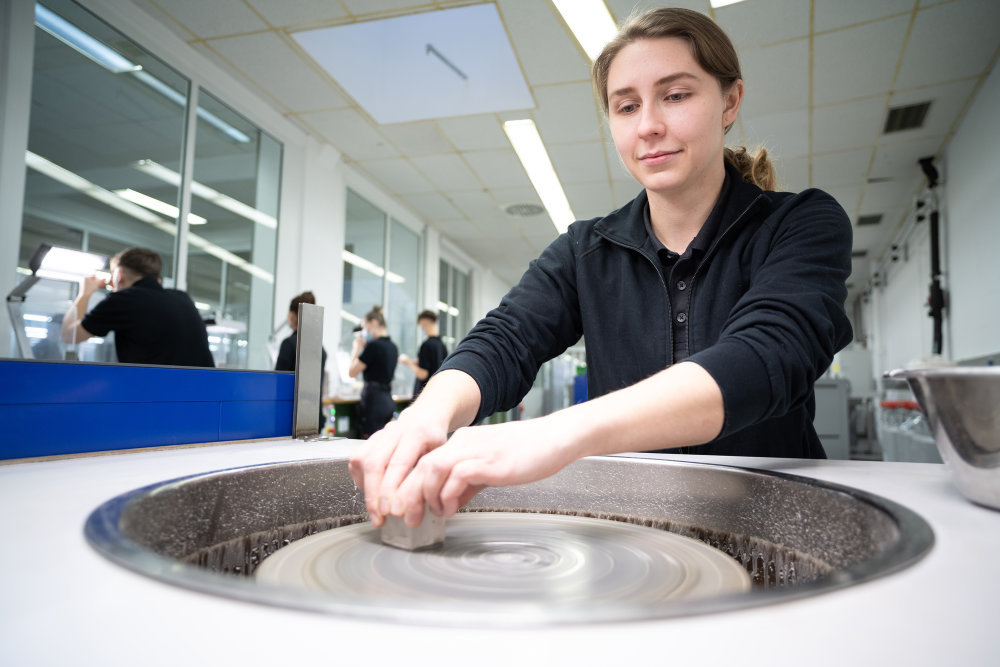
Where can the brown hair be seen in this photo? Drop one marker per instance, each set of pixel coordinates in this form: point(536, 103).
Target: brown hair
point(305, 297)
point(427, 315)
point(141, 262)
point(713, 51)
point(376, 315)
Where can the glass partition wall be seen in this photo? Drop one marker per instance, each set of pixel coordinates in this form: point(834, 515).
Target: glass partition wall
point(109, 131)
point(381, 268)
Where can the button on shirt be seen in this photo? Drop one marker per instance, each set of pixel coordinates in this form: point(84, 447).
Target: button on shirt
point(679, 271)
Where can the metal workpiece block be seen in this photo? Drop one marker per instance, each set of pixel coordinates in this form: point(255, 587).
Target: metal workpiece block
point(429, 533)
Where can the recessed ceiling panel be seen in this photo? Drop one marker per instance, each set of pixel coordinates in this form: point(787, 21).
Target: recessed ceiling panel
point(440, 64)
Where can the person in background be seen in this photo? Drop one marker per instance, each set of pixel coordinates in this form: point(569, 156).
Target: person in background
point(374, 357)
point(152, 325)
point(431, 354)
point(710, 304)
point(286, 353)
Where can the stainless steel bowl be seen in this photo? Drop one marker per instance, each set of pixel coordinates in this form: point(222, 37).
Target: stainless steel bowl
point(962, 406)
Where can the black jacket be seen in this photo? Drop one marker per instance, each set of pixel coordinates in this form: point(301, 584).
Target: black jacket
point(765, 319)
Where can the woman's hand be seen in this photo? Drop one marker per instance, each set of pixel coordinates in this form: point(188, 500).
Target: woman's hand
point(388, 456)
point(479, 456)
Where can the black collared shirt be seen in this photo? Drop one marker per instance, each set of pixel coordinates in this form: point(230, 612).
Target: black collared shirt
point(679, 270)
point(152, 325)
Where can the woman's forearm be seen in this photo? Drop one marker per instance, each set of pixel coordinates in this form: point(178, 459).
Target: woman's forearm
point(452, 397)
point(679, 406)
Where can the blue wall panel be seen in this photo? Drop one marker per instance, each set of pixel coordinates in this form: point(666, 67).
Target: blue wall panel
point(49, 408)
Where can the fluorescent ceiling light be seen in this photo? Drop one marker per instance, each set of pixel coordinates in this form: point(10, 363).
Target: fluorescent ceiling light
point(181, 100)
point(36, 318)
point(722, 3)
point(71, 36)
point(68, 178)
point(223, 201)
point(531, 151)
point(371, 267)
point(350, 317)
point(445, 308)
point(154, 204)
point(201, 305)
point(36, 332)
point(590, 22)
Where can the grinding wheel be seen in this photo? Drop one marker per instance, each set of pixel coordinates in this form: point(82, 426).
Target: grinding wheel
point(511, 558)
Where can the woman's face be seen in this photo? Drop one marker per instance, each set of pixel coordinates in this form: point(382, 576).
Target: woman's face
point(668, 116)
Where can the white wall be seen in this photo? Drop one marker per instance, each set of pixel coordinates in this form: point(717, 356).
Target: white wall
point(971, 184)
point(900, 331)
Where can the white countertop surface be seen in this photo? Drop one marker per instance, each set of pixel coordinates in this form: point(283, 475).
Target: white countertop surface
point(62, 603)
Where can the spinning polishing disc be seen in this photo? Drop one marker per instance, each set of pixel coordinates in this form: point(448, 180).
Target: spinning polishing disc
point(510, 558)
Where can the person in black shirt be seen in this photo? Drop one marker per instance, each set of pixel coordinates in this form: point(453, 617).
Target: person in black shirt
point(432, 352)
point(286, 353)
point(152, 325)
point(375, 356)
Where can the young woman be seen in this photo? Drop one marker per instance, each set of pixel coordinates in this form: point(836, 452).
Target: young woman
point(709, 304)
point(374, 356)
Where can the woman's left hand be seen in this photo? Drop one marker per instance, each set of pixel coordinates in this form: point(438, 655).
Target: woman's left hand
point(479, 456)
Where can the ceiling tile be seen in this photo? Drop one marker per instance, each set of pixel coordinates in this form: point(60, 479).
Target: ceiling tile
point(579, 163)
point(590, 200)
point(783, 134)
point(420, 138)
point(297, 12)
point(948, 44)
point(478, 132)
point(546, 50)
point(792, 173)
point(834, 14)
point(478, 206)
point(776, 78)
point(213, 19)
point(857, 62)
point(839, 169)
point(447, 172)
point(266, 59)
point(751, 24)
point(900, 159)
point(947, 102)
point(398, 175)
point(350, 132)
point(567, 113)
point(852, 125)
point(433, 206)
point(499, 169)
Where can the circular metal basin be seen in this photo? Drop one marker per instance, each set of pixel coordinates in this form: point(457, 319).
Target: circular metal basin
point(796, 537)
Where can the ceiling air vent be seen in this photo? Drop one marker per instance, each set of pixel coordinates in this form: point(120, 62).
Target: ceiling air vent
point(869, 219)
point(906, 118)
point(524, 210)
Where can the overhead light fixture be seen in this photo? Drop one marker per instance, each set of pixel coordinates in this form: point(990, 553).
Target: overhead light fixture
point(47, 262)
point(722, 3)
point(350, 317)
point(523, 135)
point(71, 36)
point(591, 23)
point(154, 204)
point(209, 194)
point(445, 308)
point(371, 267)
point(77, 182)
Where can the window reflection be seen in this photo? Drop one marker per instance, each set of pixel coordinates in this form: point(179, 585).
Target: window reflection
point(104, 173)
